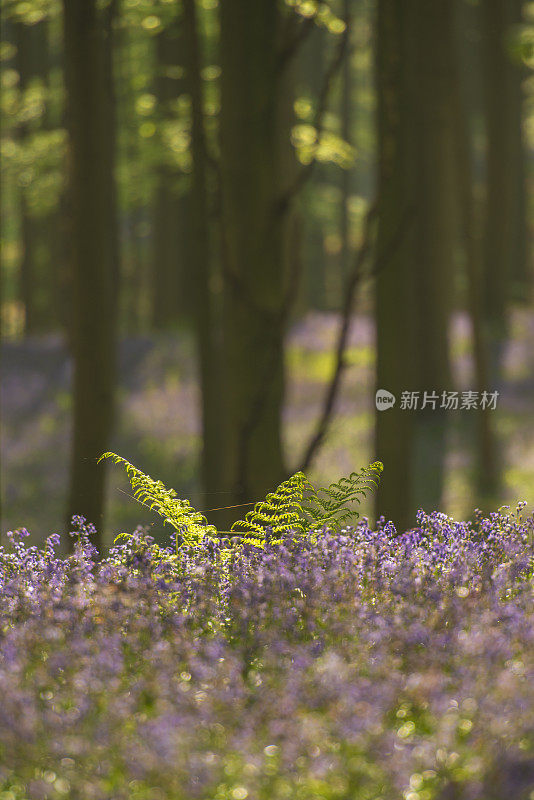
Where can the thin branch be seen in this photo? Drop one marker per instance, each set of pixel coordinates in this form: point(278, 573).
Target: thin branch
point(290, 50)
point(331, 394)
point(306, 171)
point(355, 278)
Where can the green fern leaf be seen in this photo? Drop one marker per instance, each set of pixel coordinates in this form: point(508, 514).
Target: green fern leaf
point(190, 524)
point(330, 505)
point(280, 511)
point(297, 505)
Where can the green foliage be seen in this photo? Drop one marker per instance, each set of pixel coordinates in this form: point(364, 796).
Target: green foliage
point(30, 13)
point(280, 511)
point(191, 525)
point(326, 148)
point(331, 506)
point(320, 12)
point(296, 505)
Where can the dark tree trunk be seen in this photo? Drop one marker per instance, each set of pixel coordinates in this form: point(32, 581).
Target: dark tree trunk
point(504, 214)
point(91, 129)
point(311, 68)
point(345, 113)
point(254, 225)
point(395, 289)
point(27, 264)
point(38, 269)
point(170, 202)
point(205, 310)
point(26, 40)
point(414, 245)
point(487, 462)
point(135, 307)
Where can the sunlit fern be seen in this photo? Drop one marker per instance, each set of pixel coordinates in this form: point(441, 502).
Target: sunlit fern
point(280, 512)
point(296, 505)
point(333, 505)
point(191, 526)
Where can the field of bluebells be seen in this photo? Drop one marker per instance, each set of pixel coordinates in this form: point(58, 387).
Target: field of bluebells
point(362, 665)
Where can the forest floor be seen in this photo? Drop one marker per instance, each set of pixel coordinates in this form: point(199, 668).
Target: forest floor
point(158, 422)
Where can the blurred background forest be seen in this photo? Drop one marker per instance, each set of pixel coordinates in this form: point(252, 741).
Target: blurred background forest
point(226, 223)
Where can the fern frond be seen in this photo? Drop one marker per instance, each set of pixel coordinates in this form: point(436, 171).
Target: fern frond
point(330, 505)
point(280, 511)
point(297, 505)
point(191, 524)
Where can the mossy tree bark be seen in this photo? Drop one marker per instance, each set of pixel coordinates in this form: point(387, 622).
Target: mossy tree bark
point(91, 130)
point(254, 135)
point(414, 247)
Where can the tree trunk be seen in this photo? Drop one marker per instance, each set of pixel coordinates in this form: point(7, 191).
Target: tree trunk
point(25, 66)
point(414, 246)
point(205, 302)
point(38, 228)
point(311, 68)
point(487, 471)
point(434, 256)
point(170, 205)
point(91, 129)
point(135, 301)
point(345, 113)
point(504, 213)
point(254, 134)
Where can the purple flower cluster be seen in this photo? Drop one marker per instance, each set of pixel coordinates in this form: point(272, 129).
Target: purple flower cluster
point(360, 665)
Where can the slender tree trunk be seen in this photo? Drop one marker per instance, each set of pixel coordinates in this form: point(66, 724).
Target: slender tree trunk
point(521, 281)
point(488, 474)
point(395, 286)
point(91, 129)
point(345, 113)
point(134, 295)
point(434, 256)
point(504, 213)
point(311, 67)
point(206, 313)
point(521, 288)
point(414, 242)
point(170, 204)
point(24, 66)
point(253, 140)
point(27, 264)
point(37, 273)
point(315, 283)
point(1, 408)
point(169, 305)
